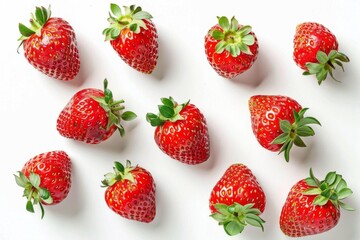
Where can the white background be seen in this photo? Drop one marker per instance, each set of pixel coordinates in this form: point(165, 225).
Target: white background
point(30, 103)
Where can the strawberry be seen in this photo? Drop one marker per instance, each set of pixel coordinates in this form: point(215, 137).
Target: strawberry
point(316, 50)
point(92, 116)
point(46, 179)
point(50, 45)
point(181, 131)
point(313, 206)
point(230, 48)
point(278, 122)
point(130, 192)
point(237, 200)
point(133, 36)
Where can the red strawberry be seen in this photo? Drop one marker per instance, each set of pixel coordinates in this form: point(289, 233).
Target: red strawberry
point(316, 50)
point(313, 206)
point(237, 200)
point(92, 116)
point(46, 179)
point(230, 48)
point(50, 45)
point(133, 36)
point(130, 192)
point(278, 122)
point(181, 131)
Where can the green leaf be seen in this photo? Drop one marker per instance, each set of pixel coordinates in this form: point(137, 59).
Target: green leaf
point(248, 40)
point(44, 193)
point(29, 206)
point(234, 25)
point(166, 111)
point(232, 228)
point(320, 200)
point(287, 151)
point(119, 167)
point(311, 182)
point(308, 120)
point(218, 217)
point(142, 15)
point(345, 206)
point(280, 139)
point(244, 48)
point(116, 10)
point(321, 76)
point(341, 185)
point(217, 34)
point(222, 208)
point(220, 47)
point(128, 116)
point(285, 126)
point(305, 131)
point(39, 16)
point(114, 33)
point(25, 31)
point(322, 57)
point(312, 191)
point(224, 23)
point(330, 178)
point(156, 122)
point(20, 182)
point(244, 30)
point(167, 102)
point(299, 142)
point(34, 180)
point(344, 193)
point(314, 68)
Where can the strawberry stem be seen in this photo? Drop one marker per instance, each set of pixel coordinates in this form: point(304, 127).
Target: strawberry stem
point(113, 109)
point(236, 217)
point(33, 192)
point(333, 188)
point(292, 133)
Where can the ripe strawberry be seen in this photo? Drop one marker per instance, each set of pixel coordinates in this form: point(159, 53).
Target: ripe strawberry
point(316, 50)
point(237, 200)
point(92, 116)
point(46, 179)
point(230, 48)
point(313, 206)
point(181, 131)
point(133, 36)
point(130, 192)
point(50, 45)
point(278, 122)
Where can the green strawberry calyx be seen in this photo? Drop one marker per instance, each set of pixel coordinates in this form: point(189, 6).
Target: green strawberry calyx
point(168, 111)
point(114, 110)
point(232, 37)
point(37, 21)
point(236, 217)
point(33, 192)
point(292, 133)
point(131, 18)
point(120, 173)
point(326, 64)
point(333, 188)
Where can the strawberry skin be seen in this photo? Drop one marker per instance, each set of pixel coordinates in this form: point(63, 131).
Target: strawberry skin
point(50, 46)
point(181, 132)
point(316, 50)
point(46, 179)
point(134, 37)
point(92, 116)
point(237, 199)
point(278, 122)
point(130, 192)
point(231, 48)
point(313, 207)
